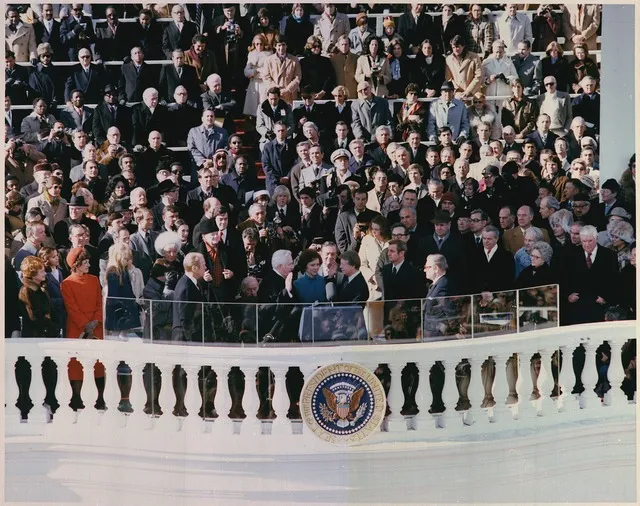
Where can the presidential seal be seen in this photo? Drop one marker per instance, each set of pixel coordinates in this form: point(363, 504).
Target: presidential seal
point(343, 403)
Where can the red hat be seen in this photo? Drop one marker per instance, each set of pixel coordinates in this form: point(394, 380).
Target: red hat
point(73, 255)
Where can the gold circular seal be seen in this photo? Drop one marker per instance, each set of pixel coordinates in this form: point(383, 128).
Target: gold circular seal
point(343, 403)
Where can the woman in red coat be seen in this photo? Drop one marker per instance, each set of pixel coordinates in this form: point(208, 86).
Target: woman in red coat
point(82, 298)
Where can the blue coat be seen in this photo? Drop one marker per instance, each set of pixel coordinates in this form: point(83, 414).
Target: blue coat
point(122, 311)
point(58, 313)
point(310, 290)
point(455, 117)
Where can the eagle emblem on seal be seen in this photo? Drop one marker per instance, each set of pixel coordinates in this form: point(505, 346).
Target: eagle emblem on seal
point(343, 408)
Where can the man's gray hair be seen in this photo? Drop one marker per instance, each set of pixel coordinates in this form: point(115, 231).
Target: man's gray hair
point(562, 217)
point(383, 127)
point(535, 233)
point(254, 208)
point(551, 202)
point(491, 229)
point(588, 231)
point(439, 260)
point(280, 257)
point(148, 93)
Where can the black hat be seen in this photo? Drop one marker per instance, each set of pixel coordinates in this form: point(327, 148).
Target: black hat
point(163, 164)
point(447, 85)
point(355, 179)
point(307, 190)
point(77, 202)
point(166, 186)
point(110, 88)
point(491, 169)
point(581, 197)
point(11, 177)
point(307, 91)
point(208, 226)
point(463, 213)
point(121, 205)
point(441, 217)
point(611, 184)
point(510, 168)
point(395, 178)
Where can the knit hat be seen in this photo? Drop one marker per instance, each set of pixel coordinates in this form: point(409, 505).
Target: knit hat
point(449, 197)
point(388, 21)
point(44, 48)
point(361, 18)
point(73, 255)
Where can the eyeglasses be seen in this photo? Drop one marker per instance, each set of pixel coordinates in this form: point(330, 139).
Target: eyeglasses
point(176, 172)
point(398, 235)
point(181, 92)
point(475, 220)
point(580, 206)
point(553, 83)
point(477, 101)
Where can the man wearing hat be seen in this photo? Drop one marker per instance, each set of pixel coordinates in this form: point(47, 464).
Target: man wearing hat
point(368, 113)
point(46, 79)
point(108, 114)
point(584, 211)
point(340, 174)
point(168, 192)
point(449, 244)
point(609, 191)
point(41, 174)
point(309, 111)
point(448, 111)
point(358, 36)
point(77, 208)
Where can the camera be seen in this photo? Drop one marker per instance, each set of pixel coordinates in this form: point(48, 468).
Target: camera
point(59, 134)
point(364, 227)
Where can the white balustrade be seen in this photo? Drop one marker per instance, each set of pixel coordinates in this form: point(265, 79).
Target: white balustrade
point(545, 384)
point(221, 359)
point(281, 425)
point(424, 398)
point(615, 397)
point(396, 421)
point(589, 398)
point(477, 414)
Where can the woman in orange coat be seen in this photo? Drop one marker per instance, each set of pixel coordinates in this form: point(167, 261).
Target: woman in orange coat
point(82, 298)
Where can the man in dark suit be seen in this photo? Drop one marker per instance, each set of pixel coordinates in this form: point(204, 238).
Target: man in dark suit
point(182, 118)
point(348, 231)
point(108, 114)
point(220, 101)
point(412, 26)
point(187, 317)
point(438, 309)
point(47, 31)
point(12, 120)
point(353, 288)
point(359, 158)
point(76, 33)
point(143, 240)
point(309, 111)
point(493, 268)
point(450, 245)
point(86, 77)
point(113, 39)
point(176, 74)
point(278, 156)
point(592, 279)
point(148, 116)
point(417, 150)
point(147, 34)
point(16, 79)
point(378, 149)
point(135, 77)
point(178, 33)
point(77, 116)
point(542, 136)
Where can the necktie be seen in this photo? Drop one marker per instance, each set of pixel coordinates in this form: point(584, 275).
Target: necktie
point(113, 113)
point(179, 70)
point(308, 109)
point(149, 244)
point(281, 213)
point(217, 268)
point(589, 262)
point(198, 16)
point(394, 271)
point(477, 240)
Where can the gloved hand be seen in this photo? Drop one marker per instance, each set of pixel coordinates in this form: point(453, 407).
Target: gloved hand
point(122, 102)
point(34, 62)
point(77, 29)
point(460, 140)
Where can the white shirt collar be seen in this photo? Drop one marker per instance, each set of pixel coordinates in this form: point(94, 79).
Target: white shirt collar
point(193, 280)
point(593, 254)
point(397, 267)
point(350, 278)
point(491, 252)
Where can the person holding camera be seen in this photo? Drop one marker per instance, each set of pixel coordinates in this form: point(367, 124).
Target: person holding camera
point(373, 67)
point(76, 32)
point(56, 147)
point(498, 71)
point(38, 125)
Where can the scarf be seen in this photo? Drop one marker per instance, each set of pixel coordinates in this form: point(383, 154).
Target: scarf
point(53, 201)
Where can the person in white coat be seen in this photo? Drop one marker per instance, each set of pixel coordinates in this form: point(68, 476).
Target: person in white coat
point(497, 71)
point(254, 71)
point(513, 27)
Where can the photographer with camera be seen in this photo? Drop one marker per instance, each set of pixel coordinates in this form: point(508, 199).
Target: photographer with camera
point(497, 71)
point(37, 126)
point(76, 32)
point(230, 44)
point(57, 147)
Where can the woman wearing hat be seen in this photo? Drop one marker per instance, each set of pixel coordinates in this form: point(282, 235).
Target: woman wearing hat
point(389, 33)
point(168, 246)
point(621, 237)
point(318, 76)
point(373, 67)
point(359, 35)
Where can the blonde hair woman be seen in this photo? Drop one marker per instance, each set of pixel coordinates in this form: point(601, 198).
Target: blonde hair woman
point(254, 70)
point(122, 310)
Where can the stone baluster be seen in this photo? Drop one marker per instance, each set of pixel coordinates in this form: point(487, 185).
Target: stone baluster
point(137, 396)
point(111, 417)
point(451, 419)
point(396, 421)
point(524, 385)
point(223, 402)
point(12, 413)
point(281, 425)
point(424, 398)
point(568, 401)
point(167, 398)
point(502, 412)
point(193, 423)
point(615, 396)
point(477, 414)
point(251, 425)
point(589, 398)
point(545, 384)
point(65, 416)
point(89, 416)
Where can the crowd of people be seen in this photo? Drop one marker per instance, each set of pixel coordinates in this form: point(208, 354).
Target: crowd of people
point(218, 177)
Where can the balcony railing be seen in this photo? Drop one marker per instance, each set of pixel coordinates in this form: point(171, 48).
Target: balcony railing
point(462, 384)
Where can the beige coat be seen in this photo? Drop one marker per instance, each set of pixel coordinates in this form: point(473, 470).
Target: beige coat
point(465, 75)
point(330, 31)
point(369, 253)
point(345, 69)
point(373, 203)
point(286, 75)
point(363, 73)
point(51, 215)
point(22, 42)
point(587, 26)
